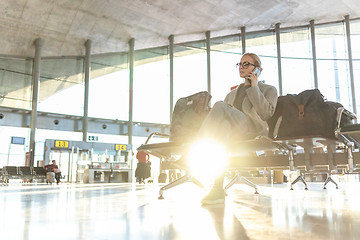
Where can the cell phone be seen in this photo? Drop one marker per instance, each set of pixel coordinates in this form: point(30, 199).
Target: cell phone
point(257, 72)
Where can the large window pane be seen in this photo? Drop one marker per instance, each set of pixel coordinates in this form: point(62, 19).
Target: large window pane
point(62, 86)
point(190, 69)
point(296, 61)
point(355, 47)
point(332, 63)
point(109, 87)
point(264, 45)
point(225, 53)
point(15, 83)
point(152, 86)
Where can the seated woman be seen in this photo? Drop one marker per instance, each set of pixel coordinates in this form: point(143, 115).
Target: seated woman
point(242, 115)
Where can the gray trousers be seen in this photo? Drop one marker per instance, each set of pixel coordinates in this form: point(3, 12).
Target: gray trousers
point(224, 123)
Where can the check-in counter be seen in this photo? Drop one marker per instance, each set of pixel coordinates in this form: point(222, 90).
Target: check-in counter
point(107, 173)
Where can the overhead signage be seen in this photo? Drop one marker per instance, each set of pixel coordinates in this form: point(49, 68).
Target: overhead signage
point(18, 140)
point(93, 138)
point(121, 147)
point(61, 144)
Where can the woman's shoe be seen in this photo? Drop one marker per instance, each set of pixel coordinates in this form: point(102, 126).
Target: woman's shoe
point(215, 196)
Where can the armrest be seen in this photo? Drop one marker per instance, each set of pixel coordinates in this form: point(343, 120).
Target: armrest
point(340, 112)
point(350, 114)
point(164, 135)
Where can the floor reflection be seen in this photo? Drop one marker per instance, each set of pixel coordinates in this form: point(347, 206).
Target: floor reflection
point(226, 224)
point(132, 211)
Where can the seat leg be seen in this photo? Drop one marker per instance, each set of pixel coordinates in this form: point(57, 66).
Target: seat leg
point(249, 183)
point(329, 179)
point(197, 182)
point(237, 178)
point(234, 180)
point(183, 179)
point(5, 181)
point(299, 178)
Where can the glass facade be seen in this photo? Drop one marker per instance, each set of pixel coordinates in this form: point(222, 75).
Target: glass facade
point(15, 83)
point(104, 101)
point(264, 45)
point(296, 61)
point(190, 69)
point(225, 53)
point(151, 86)
point(61, 88)
point(333, 64)
point(355, 49)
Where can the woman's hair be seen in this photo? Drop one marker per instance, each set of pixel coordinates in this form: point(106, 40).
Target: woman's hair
point(255, 58)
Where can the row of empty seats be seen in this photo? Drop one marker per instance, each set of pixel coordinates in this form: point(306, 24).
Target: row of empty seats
point(25, 173)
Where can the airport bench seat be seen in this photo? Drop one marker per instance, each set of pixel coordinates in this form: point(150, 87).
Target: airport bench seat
point(39, 172)
point(279, 154)
point(25, 173)
point(10, 172)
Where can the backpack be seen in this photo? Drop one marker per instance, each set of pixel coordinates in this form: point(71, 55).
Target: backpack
point(188, 115)
point(302, 115)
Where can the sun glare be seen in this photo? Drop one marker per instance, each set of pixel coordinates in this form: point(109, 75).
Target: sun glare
point(207, 159)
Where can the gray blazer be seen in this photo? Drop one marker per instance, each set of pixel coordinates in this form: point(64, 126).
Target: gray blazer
point(258, 106)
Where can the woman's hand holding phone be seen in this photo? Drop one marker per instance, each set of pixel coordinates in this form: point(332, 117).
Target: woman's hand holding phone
point(257, 72)
point(253, 77)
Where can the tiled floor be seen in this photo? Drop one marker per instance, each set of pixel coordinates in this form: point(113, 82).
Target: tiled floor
point(132, 211)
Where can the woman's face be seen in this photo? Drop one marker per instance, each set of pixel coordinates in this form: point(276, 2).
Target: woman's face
point(247, 66)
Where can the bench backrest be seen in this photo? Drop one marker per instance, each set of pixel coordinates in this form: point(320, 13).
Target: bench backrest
point(25, 170)
point(39, 171)
point(11, 170)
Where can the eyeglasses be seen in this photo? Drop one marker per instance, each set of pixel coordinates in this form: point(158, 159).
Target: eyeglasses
point(244, 65)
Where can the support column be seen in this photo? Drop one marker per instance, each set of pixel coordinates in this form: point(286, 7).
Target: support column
point(312, 31)
point(131, 88)
point(171, 55)
point(208, 61)
point(35, 97)
point(277, 32)
point(243, 39)
point(351, 68)
point(86, 90)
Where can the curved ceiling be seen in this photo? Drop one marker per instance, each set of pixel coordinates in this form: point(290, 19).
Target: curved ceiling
point(65, 25)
